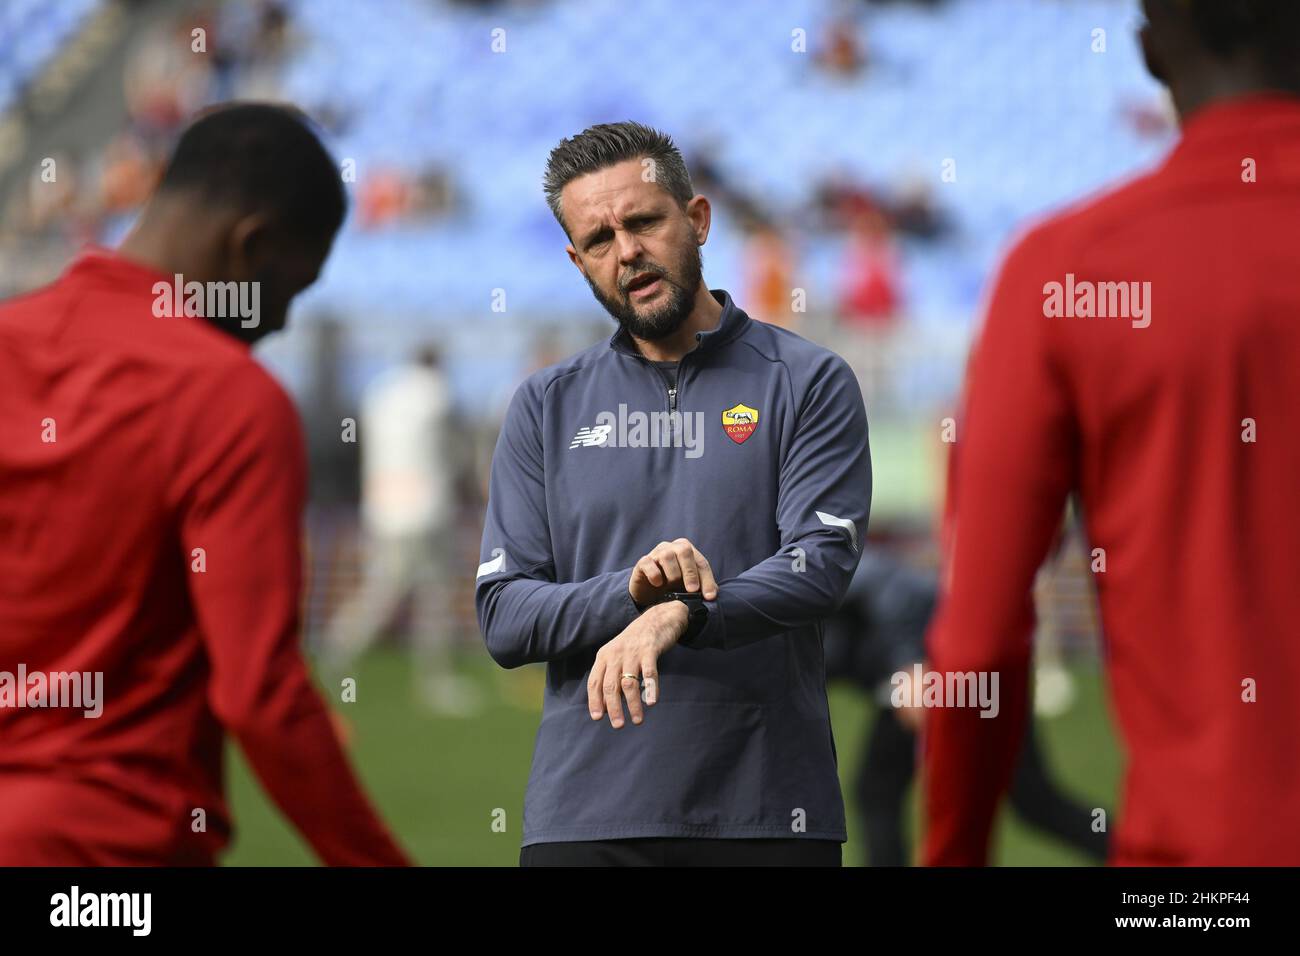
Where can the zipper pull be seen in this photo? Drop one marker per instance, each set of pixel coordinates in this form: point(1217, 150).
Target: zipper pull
point(672, 399)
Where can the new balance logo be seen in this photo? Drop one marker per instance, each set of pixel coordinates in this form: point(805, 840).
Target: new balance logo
point(591, 437)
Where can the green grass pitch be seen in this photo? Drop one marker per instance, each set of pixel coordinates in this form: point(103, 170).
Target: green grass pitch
point(439, 780)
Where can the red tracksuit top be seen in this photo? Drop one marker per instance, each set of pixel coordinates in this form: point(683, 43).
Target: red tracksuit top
point(1200, 596)
point(166, 438)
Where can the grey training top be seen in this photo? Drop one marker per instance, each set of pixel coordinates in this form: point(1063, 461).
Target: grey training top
point(759, 456)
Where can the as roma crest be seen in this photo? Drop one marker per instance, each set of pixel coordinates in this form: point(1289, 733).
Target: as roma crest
point(739, 422)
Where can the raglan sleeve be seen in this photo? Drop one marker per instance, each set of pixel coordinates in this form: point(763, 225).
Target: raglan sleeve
point(823, 503)
point(525, 615)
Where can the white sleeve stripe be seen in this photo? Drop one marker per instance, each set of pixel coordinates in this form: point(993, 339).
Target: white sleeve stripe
point(498, 563)
point(845, 523)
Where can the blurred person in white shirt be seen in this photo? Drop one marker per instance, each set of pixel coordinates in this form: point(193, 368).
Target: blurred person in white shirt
point(409, 467)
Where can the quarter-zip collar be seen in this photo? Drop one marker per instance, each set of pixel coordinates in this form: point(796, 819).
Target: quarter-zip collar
point(731, 325)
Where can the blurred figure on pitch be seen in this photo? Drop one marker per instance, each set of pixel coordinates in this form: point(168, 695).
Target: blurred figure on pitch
point(876, 640)
point(409, 470)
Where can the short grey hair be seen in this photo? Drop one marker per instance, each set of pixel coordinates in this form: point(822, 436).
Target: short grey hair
point(598, 147)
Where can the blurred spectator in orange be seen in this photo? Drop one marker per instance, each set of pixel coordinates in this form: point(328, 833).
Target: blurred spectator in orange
point(384, 197)
point(127, 176)
point(842, 53)
point(769, 275)
point(391, 195)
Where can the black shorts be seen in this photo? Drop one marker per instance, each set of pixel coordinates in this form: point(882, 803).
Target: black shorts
point(683, 851)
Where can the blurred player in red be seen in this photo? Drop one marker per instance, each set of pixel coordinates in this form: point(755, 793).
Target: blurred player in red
point(153, 480)
point(1170, 406)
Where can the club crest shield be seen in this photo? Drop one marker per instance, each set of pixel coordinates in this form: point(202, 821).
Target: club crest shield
point(739, 422)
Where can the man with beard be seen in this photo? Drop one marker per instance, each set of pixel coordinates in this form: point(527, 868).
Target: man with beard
point(682, 580)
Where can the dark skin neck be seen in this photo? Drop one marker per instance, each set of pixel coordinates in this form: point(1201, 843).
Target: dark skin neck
point(1211, 81)
point(178, 233)
point(176, 236)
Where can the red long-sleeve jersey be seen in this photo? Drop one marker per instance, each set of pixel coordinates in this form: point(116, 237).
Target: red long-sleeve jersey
point(1179, 431)
point(151, 490)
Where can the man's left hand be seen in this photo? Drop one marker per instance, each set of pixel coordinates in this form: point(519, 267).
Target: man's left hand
point(633, 657)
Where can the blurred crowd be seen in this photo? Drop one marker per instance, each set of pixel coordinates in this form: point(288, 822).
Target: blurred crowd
point(97, 190)
point(95, 193)
point(379, 564)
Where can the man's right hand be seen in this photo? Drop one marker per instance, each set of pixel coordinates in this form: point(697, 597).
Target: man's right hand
point(671, 566)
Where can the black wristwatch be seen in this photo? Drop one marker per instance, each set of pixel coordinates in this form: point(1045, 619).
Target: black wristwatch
point(697, 613)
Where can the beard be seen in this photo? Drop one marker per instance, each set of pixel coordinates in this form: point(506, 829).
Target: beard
point(682, 285)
